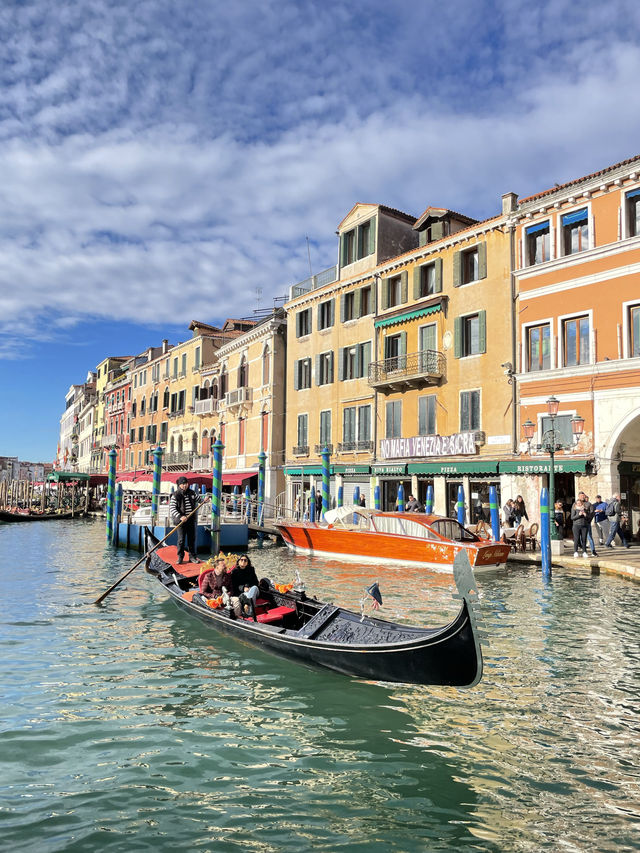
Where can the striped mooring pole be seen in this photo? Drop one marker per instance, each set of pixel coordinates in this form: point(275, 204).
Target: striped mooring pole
point(493, 510)
point(356, 502)
point(312, 504)
point(400, 499)
point(376, 497)
point(111, 493)
point(326, 491)
point(247, 501)
point(262, 468)
point(340, 496)
point(428, 504)
point(155, 489)
point(216, 496)
point(460, 504)
point(117, 513)
point(545, 534)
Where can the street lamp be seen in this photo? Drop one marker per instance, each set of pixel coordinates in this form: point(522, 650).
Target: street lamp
point(551, 443)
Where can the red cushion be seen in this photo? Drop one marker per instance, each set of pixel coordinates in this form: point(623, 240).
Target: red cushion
point(275, 614)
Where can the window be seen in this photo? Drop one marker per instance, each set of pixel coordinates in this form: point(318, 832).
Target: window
point(143, 406)
point(469, 410)
point(183, 370)
point(561, 426)
point(140, 433)
point(325, 427)
point(394, 419)
point(223, 383)
point(196, 358)
point(164, 427)
point(576, 341)
point(358, 243)
point(632, 204)
point(326, 314)
point(349, 247)
point(394, 291)
point(243, 373)
point(354, 361)
point(348, 306)
point(324, 368)
point(575, 231)
point(175, 368)
point(366, 302)
point(349, 425)
point(303, 323)
point(470, 335)
point(302, 373)
point(634, 331)
point(427, 279)
point(181, 398)
point(395, 350)
point(470, 265)
point(427, 415)
point(266, 365)
point(165, 399)
point(364, 239)
point(303, 430)
point(539, 347)
point(364, 423)
point(538, 243)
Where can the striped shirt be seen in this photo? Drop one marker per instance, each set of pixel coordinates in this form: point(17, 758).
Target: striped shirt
point(182, 503)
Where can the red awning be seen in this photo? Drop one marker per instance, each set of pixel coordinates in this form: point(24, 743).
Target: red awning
point(167, 477)
point(237, 479)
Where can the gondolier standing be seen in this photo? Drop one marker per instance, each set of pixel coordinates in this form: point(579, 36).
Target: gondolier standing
point(183, 502)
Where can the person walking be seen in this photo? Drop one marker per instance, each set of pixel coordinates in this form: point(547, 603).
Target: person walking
point(183, 502)
point(519, 510)
point(600, 519)
point(614, 514)
point(509, 514)
point(589, 510)
point(579, 520)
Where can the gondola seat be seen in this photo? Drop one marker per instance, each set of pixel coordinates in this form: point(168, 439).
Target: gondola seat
point(276, 614)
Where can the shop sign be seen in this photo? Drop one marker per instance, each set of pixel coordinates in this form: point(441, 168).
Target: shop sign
point(389, 469)
point(420, 446)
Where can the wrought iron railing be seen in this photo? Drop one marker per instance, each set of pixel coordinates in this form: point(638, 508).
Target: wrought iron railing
point(352, 446)
point(320, 447)
point(301, 450)
point(424, 363)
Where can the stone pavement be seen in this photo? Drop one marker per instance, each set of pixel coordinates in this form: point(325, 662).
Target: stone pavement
point(618, 560)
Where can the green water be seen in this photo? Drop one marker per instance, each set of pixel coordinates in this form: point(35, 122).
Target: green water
point(132, 727)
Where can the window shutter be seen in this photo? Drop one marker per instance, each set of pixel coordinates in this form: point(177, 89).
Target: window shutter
point(438, 275)
point(437, 230)
point(385, 293)
point(343, 300)
point(332, 312)
point(318, 376)
point(298, 324)
point(482, 330)
point(366, 358)
point(422, 237)
point(402, 344)
point(482, 260)
point(357, 302)
point(330, 368)
point(417, 279)
point(457, 269)
point(372, 235)
point(296, 375)
point(341, 363)
point(342, 250)
point(464, 411)
point(404, 286)
point(457, 334)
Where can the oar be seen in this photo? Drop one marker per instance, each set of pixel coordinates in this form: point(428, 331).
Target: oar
point(144, 556)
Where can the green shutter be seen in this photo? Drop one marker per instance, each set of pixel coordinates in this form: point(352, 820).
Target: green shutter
point(342, 250)
point(404, 286)
point(341, 363)
point(482, 260)
point(357, 302)
point(318, 357)
point(437, 230)
point(457, 269)
point(403, 343)
point(417, 281)
point(296, 375)
point(482, 330)
point(438, 275)
point(330, 368)
point(372, 235)
point(457, 334)
point(343, 300)
point(464, 411)
point(385, 293)
point(366, 358)
point(422, 237)
point(332, 312)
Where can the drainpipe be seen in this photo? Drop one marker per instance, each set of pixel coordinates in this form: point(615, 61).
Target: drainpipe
point(514, 341)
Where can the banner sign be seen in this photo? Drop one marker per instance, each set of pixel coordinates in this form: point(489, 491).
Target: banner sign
point(458, 444)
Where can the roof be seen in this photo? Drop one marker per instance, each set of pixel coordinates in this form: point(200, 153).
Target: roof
point(441, 213)
point(576, 181)
point(391, 211)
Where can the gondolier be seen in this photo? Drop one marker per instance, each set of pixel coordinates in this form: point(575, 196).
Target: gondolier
point(183, 502)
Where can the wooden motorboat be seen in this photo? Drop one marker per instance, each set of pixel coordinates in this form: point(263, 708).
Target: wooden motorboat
point(291, 624)
point(8, 515)
point(398, 538)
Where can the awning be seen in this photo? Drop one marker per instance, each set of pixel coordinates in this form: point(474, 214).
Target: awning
point(66, 477)
point(350, 469)
point(409, 315)
point(98, 480)
point(134, 477)
point(305, 471)
point(543, 466)
point(455, 467)
point(237, 479)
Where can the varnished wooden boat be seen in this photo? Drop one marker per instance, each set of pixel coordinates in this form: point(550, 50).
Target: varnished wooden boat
point(398, 538)
point(7, 515)
point(295, 626)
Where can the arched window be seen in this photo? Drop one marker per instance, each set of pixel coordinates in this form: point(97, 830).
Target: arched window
point(243, 373)
point(180, 444)
point(194, 442)
point(223, 382)
point(172, 445)
point(134, 408)
point(214, 390)
point(266, 365)
point(204, 447)
point(143, 405)
point(165, 399)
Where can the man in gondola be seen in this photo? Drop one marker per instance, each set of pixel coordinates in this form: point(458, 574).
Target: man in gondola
point(183, 502)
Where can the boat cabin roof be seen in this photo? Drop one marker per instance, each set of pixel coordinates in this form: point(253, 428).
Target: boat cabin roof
point(420, 525)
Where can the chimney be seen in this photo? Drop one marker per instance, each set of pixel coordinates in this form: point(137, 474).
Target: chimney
point(509, 203)
point(165, 346)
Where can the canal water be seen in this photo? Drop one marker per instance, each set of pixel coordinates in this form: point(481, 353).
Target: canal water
point(132, 727)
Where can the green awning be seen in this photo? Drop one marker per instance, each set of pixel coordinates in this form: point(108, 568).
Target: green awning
point(346, 470)
point(66, 477)
point(306, 470)
point(410, 315)
point(458, 467)
point(542, 466)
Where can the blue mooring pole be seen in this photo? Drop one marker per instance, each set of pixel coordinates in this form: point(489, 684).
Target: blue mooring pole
point(460, 504)
point(428, 504)
point(376, 497)
point(356, 502)
point(545, 535)
point(400, 499)
point(312, 504)
point(495, 516)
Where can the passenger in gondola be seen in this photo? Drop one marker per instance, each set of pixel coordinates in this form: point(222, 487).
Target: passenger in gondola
point(244, 584)
point(213, 581)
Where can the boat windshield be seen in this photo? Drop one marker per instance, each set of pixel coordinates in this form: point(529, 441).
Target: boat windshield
point(449, 528)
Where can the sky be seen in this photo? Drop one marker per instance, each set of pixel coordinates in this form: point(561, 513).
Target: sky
point(169, 160)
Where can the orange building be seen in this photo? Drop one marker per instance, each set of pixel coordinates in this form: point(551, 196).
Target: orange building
point(578, 280)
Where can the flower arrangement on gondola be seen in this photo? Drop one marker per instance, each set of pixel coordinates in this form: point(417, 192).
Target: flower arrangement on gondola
point(283, 587)
point(215, 603)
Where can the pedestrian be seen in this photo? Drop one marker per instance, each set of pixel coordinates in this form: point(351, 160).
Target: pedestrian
point(519, 510)
point(509, 514)
point(588, 507)
point(580, 521)
point(363, 502)
point(614, 514)
point(558, 518)
point(600, 519)
point(412, 505)
point(183, 502)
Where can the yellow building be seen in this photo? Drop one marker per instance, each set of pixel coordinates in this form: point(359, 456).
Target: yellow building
point(102, 377)
point(396, 359)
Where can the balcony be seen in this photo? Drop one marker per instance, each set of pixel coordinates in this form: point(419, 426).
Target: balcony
point(320, 447)
point(400, 372)
point(238, 397)
point(113, 439)
point(355, 447)
point(178, 461)
point(206, 407)
point(177, 414)
point(301, 450)
point(202, 462)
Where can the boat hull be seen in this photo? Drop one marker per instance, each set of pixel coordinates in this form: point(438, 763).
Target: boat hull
point(376, 547)
point(8, 517)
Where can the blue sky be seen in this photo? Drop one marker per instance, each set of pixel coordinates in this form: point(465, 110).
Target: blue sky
point(161, 160)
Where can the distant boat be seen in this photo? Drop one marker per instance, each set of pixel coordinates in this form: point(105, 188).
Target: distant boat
point(292, 625)
point(397, 538)
point(7, 515)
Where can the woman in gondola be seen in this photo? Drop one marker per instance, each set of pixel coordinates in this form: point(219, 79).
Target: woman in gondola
point(244, 583)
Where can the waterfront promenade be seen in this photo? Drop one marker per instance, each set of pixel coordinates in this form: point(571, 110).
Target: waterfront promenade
point(624, 562)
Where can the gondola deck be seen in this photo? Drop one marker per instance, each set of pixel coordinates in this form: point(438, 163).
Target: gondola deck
point(314, 632)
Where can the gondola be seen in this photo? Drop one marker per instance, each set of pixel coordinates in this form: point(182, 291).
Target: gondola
point(313, 632)
point(7, 515)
